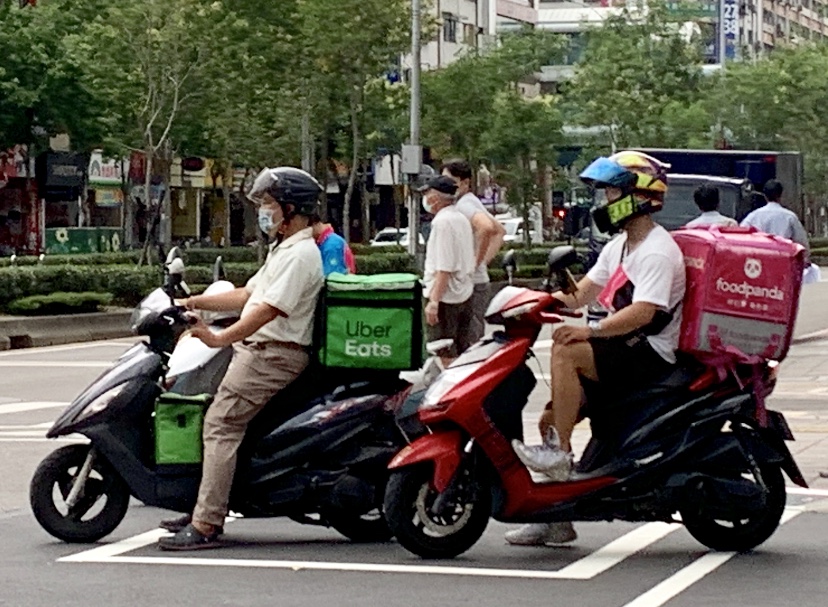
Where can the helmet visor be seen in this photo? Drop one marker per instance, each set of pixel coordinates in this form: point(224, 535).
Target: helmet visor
point(261, 185)
point(604, 172)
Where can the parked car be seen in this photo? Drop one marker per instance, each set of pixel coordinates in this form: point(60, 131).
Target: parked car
point(388, 237)
point(514, 230)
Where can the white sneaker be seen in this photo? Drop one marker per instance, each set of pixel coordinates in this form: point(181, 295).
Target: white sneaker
point(553, 462)
point(542, 534)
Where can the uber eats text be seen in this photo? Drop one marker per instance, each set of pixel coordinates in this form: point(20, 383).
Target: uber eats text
point(364, 331)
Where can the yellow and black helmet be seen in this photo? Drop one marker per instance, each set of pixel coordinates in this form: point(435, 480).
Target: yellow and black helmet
point(641, 181)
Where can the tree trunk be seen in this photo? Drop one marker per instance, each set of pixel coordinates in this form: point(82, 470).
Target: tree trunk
point(366, 205)
point(322, 173)
point(346, 207)
point(526, 201)
point(150, 212)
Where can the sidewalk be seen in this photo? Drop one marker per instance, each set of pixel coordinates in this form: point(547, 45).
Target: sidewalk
point(812, 321)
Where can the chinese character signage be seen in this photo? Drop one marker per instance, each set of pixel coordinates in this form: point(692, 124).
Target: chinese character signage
point(730, 23)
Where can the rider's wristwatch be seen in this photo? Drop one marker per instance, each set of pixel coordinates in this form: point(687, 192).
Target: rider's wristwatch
point(594, 327)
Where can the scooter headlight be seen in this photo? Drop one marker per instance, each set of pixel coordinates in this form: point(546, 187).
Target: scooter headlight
point(447, 380)
point(100, 404)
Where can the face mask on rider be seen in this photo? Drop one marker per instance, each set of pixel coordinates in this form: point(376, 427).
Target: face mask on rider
point(266, 223)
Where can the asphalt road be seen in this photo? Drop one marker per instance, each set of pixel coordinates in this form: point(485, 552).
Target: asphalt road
point(278, 562)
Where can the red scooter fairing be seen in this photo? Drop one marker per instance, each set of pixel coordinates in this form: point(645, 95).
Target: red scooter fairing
point(443, 449)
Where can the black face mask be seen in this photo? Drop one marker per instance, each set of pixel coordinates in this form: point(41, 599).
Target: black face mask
point(600, 215)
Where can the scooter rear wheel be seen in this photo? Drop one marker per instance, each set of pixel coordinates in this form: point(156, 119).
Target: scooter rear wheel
point(746, 533)
point(409, 509)
point(100, 509)
point(369, 528)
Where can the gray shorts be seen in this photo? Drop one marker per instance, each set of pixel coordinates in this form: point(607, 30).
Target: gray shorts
point(454, 321)
point(479, 302)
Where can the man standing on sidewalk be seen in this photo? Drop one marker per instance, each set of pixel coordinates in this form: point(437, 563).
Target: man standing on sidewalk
point(449, 265)
point(773, 218)
point(488, 238)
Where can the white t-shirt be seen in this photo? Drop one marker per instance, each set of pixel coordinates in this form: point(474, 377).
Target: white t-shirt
point(450, 249)
point(470, 205)
point(656, 270)
point(712, 218)
point(290, 281)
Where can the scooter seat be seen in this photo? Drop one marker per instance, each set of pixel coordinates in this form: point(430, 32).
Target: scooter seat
point(612, 415)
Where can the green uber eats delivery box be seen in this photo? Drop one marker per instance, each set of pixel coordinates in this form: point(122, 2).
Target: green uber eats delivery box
point(178, 424)
point(371, 322)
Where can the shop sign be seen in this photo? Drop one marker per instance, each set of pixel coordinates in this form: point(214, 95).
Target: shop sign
point(108, 197)
point(61, 169)
point(106, 171)
point(730, 24)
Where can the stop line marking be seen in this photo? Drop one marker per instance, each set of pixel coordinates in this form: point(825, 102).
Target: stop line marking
point(584, 569)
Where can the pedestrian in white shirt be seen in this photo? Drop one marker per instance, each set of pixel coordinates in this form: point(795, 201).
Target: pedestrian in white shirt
point(707, 199)
point(773, 218)
point(449, 265)
point(488, 238)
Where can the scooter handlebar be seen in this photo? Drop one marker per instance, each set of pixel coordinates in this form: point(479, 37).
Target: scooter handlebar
point(557, 308)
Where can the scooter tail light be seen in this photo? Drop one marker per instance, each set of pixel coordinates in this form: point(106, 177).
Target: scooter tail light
point(435, 412)
point(437, 407)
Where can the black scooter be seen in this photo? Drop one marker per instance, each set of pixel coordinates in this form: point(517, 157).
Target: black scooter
point(327, 466)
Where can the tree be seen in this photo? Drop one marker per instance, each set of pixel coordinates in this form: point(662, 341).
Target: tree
point(40, 90)
point(153, 61)
point(370, 36)
point(638, 74)
point(459, 100)
point(522, 140)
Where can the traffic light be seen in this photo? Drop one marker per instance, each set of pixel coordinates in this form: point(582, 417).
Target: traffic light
point(560, 213)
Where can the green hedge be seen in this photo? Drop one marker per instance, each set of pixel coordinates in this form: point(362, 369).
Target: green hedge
point(60, 303)
point(127, 283)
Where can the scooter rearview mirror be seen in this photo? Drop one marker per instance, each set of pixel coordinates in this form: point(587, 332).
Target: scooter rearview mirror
point(176, 267)
point(175, 253)
point(218, 269)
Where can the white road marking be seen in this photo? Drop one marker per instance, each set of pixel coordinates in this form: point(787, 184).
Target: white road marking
point(584, 569)
point(31, 406)
point(63, 348)
point(92, 364)
point(616, 551)
point(107, 551)
point(72, 438)
point(807, 492)
point(694, 572)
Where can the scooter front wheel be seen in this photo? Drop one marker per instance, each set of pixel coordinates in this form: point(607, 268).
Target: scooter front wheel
point(99, 507)
point(431, 529)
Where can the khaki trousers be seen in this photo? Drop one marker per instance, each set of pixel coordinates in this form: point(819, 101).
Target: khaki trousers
point(256, 373)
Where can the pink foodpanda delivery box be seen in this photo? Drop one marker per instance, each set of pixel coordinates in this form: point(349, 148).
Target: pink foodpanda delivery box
point(742, 293)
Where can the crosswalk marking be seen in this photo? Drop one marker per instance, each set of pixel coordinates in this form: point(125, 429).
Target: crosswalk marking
point(692, 573)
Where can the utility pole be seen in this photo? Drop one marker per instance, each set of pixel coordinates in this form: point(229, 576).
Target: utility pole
point(412, 156)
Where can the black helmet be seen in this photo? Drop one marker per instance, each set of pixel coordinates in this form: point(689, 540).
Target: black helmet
point(288, 185)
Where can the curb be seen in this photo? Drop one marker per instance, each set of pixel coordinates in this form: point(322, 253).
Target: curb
point(811, 337)
point(18, 332)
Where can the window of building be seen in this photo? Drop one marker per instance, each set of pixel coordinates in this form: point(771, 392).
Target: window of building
point(450, 23)
point(469, 34)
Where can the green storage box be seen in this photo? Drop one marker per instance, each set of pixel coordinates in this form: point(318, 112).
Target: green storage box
point(371, 322)
point(178, 424)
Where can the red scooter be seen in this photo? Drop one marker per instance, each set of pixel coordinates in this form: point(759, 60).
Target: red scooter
point(692, 444)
